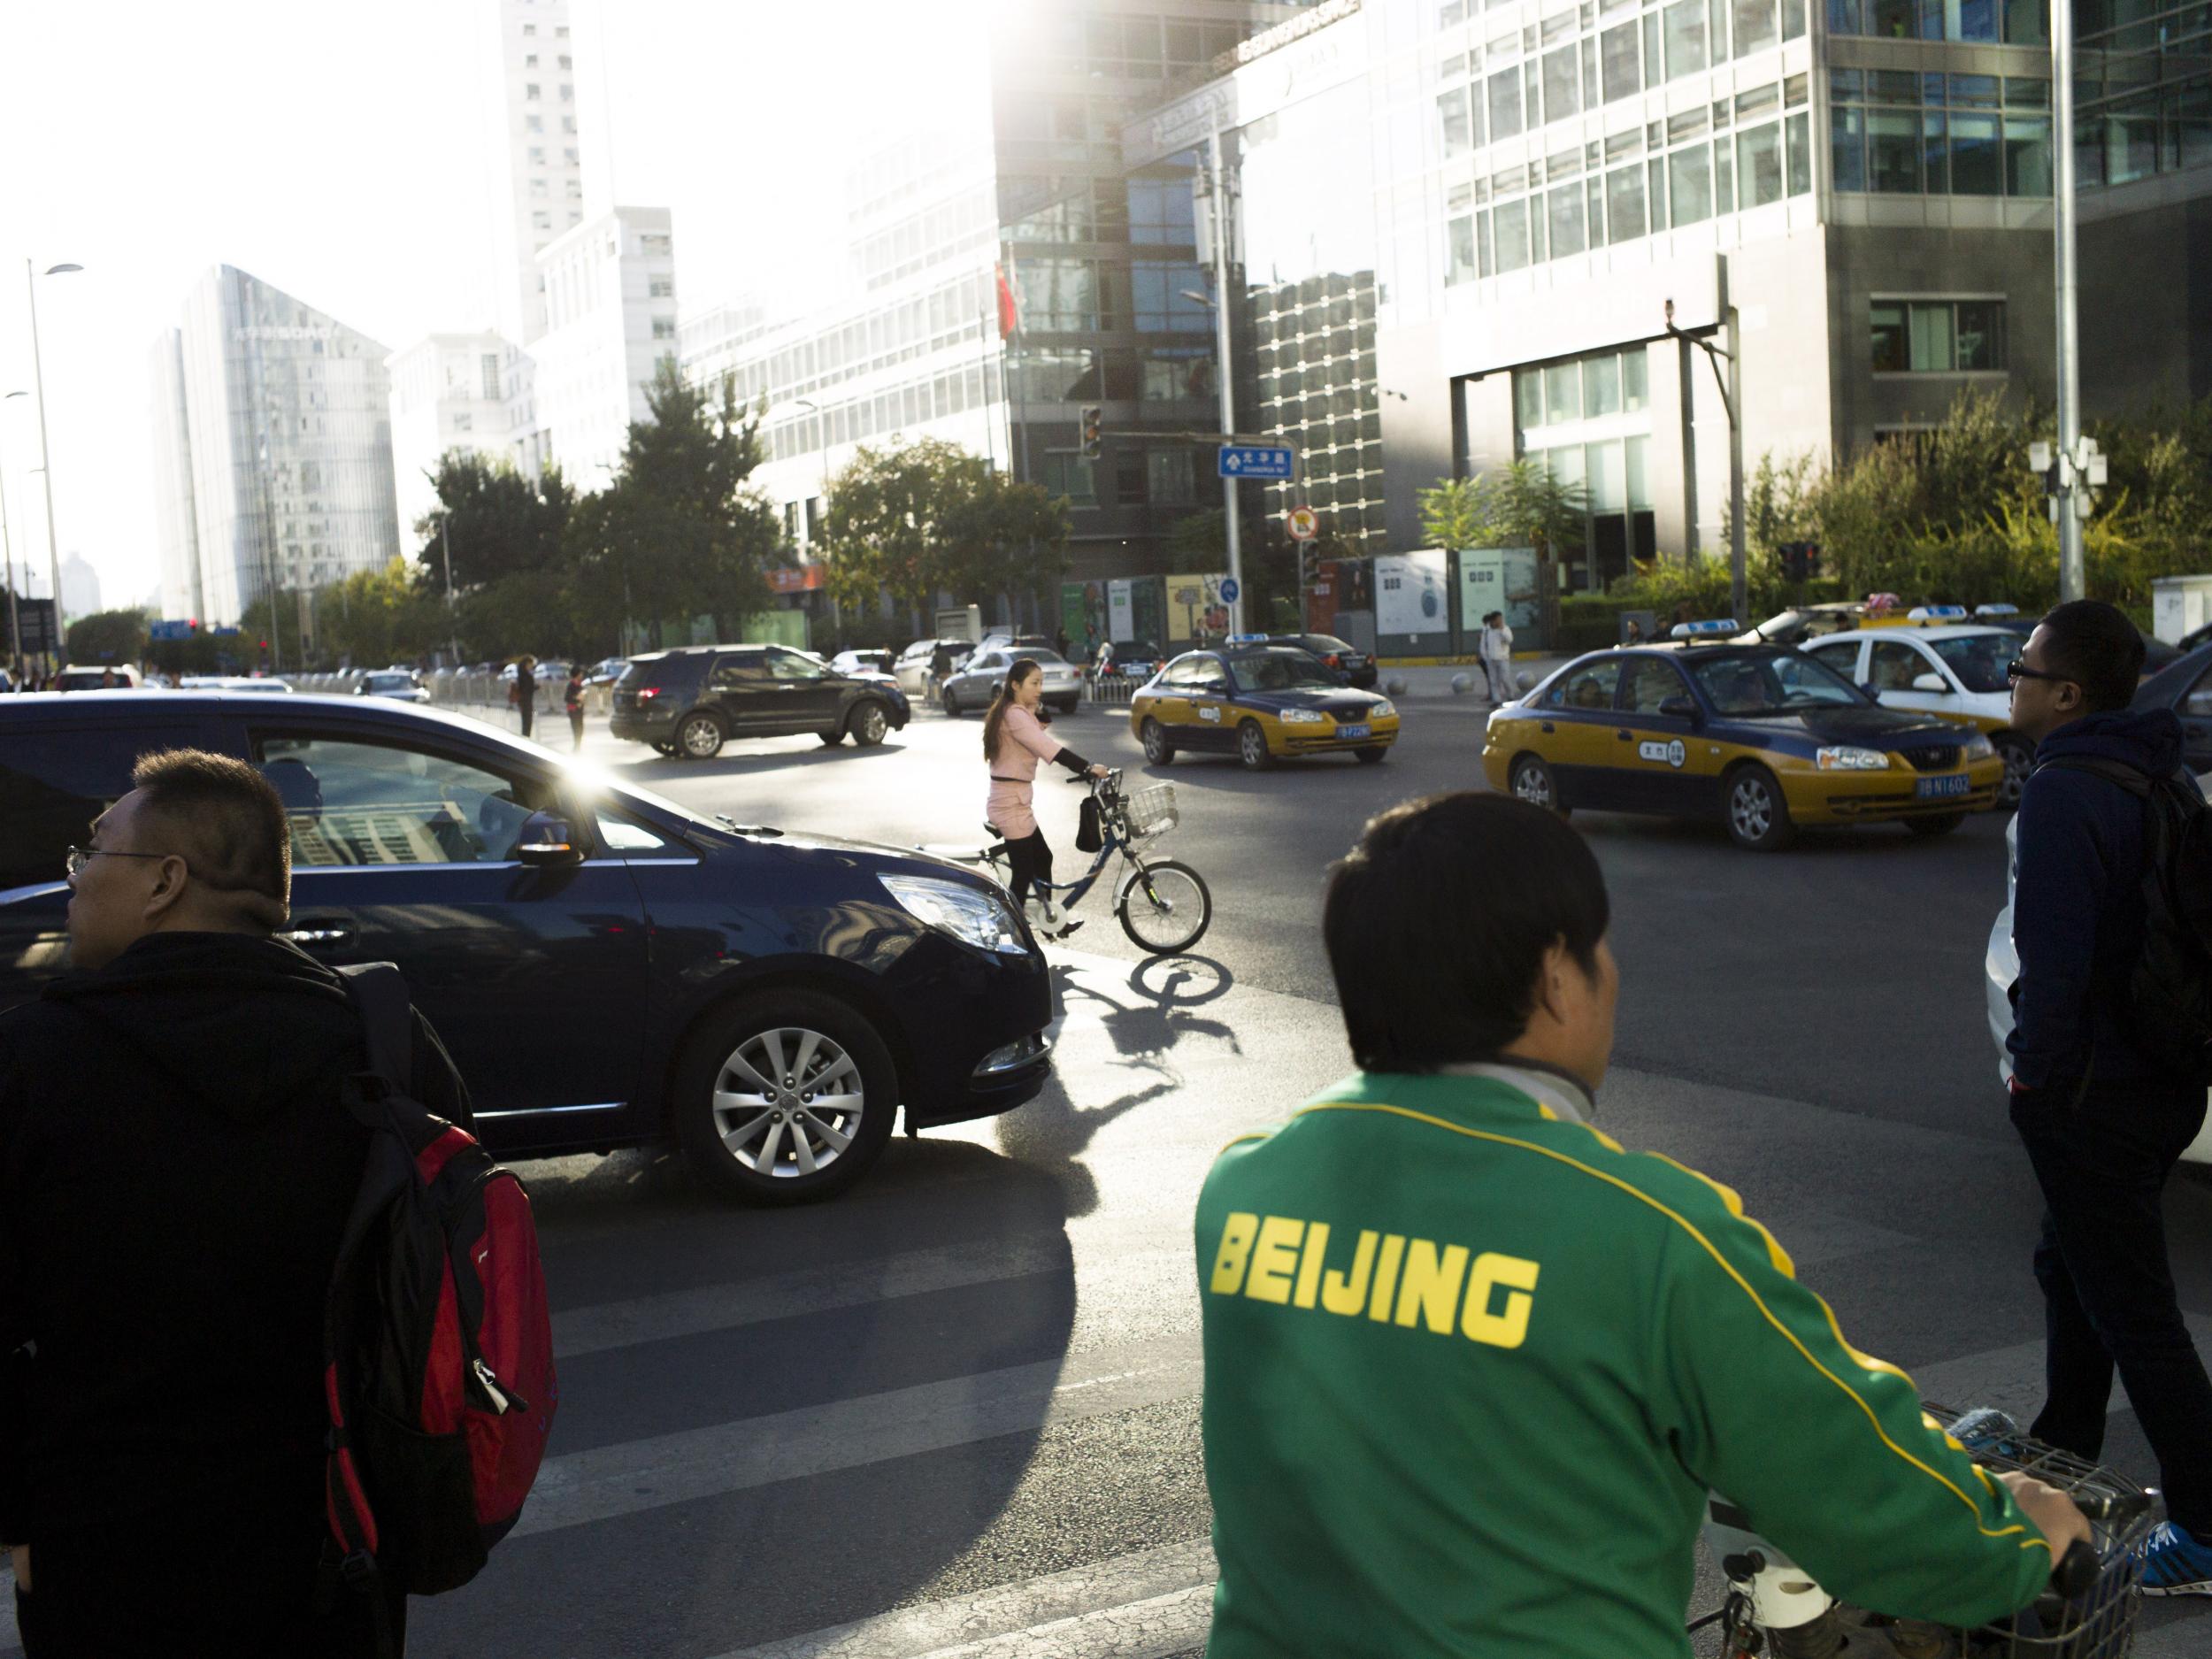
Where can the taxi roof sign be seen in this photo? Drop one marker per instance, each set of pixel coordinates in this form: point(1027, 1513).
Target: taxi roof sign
point(1247, 638)
point(1935, 614)
point(1997, 610)
point(1703, 630)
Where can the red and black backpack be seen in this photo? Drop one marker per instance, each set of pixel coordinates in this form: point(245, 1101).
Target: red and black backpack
point(438, 1347)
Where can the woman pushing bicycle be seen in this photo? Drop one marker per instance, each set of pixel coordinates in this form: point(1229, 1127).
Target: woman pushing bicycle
point(1014, 741)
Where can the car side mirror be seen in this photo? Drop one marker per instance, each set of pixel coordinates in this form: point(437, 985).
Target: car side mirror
point(1930, 682)
point(546, 843)
point(1679, 707)
point(1871, 689)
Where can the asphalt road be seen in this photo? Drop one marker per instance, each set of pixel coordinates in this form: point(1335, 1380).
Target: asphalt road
point(955, 1412)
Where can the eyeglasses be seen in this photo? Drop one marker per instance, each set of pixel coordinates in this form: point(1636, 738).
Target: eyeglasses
point(80, 856)
point(2018, 670)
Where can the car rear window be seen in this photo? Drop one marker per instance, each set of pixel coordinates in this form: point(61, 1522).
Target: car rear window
point(661, 670)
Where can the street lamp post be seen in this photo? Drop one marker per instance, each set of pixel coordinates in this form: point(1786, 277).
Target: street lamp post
point(1218, 179)
point(7, 569)
point(1731, 401)
point(821, 419)
point(45, 455)
point(2070, 583)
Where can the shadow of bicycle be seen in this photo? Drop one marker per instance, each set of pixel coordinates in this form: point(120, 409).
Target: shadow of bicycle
point(1144, 1029)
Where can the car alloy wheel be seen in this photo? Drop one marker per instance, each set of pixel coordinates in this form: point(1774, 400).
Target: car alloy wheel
point(785, 1097)
point(1758, 817)
point(1531, 782)
point(952, 704)
point(2019, 760)
point(868, 724)
point(1157, 751)
point(700, 736)
point(1252, 747)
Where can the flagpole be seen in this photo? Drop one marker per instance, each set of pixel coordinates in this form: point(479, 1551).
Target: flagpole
point(983, 334)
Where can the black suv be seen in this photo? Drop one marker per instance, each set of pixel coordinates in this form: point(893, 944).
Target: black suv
point(1356, 665)
point(607, 967)
point(690, 702)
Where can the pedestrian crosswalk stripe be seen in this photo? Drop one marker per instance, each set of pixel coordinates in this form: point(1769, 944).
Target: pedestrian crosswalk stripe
point(633, 1475)
point(1084, 1598)
point(835, 1285)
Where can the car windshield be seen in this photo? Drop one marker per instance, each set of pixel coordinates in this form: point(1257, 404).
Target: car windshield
point(391, 682)
point(1135, 648)
point(1281, 669)
point(1783, 683)
point(1980, 660)
point(1326, 643)
point(1040, 654)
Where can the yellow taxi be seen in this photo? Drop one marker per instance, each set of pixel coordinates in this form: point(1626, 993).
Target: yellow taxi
point(1261, 703)
point(1765, 738)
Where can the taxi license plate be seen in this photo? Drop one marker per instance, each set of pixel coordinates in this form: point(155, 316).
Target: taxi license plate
point(1934, 788)
point(1351, 731)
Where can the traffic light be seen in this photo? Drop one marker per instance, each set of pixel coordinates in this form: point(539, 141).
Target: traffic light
point(1800, 560)
point(1091, 416)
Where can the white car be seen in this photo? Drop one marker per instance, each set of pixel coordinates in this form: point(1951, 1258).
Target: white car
point(2001, 966)
point(1954, 670)
point(911, 669)
point(968, 690)
point(400, 687)
point(231, 682)
point(864, 665)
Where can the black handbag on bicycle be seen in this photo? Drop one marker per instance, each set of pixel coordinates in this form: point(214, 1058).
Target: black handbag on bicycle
point(1090, 831)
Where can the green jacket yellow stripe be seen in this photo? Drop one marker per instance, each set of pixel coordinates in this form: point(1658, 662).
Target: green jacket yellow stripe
point(1470, 1370)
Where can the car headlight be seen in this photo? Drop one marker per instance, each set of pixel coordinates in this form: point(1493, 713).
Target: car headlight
point(1384, 710)
point(1300, 717)
point(1979, 748)
point(969, 914)
point(1843, 757)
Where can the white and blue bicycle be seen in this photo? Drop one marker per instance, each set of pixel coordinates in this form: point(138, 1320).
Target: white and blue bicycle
point(1163, 905)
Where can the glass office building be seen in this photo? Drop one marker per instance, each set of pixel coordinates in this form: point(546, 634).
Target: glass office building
point(1497, 205)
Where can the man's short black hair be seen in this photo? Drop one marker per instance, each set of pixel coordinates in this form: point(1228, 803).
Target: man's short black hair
point(2095, 646)
point(1437, 924)
point(228, 822)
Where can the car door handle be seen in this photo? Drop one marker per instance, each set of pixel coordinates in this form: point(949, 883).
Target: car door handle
point(1547, 726)
point(320, 932)
point(1625, 737)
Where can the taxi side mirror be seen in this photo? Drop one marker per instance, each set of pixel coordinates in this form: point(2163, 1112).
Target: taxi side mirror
point(1679, 707)
point(1929, 682)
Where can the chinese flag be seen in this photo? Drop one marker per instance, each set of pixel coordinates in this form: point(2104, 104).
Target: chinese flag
point(1009, 315)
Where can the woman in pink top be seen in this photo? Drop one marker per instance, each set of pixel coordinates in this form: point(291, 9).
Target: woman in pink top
point(1014, 741)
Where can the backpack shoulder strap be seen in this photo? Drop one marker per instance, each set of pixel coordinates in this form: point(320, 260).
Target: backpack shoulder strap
point(2134, 779)
point(379, 992)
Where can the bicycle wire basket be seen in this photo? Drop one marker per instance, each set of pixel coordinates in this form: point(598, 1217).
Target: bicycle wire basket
point(1153, 812)
point(2100, 1622)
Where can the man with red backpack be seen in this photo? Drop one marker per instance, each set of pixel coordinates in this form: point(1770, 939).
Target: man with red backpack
point(191, 1132)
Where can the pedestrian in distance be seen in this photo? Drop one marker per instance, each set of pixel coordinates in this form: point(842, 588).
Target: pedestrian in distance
point(2100, 1106)
point(1060, 642)
point(1471, 1367)
point(573, 697)
point(1497, 657)
point(176, 1171)
point(1634, 634)
point(1013, 741)
point(525, 692)
point(940, 664)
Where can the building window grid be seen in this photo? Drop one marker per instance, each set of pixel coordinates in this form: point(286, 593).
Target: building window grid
point(1739, 153)
point(1936, 336)
point(1903, 132)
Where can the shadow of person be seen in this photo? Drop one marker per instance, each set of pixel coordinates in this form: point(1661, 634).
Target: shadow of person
point(1054, 1130)
point(876, 1368)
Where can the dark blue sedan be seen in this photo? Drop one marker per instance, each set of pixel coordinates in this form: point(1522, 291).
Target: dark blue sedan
point(608, 968)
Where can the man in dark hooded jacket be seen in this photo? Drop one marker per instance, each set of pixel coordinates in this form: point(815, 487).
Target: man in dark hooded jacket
point(2102, 1122)
point(176, 1169)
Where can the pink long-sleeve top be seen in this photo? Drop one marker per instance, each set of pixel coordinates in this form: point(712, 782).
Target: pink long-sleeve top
point(1023, 743)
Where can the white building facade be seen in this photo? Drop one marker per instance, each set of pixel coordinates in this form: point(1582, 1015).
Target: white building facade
point(537, 189)
point(274, 449)
point(611, 317)
point(449, 392)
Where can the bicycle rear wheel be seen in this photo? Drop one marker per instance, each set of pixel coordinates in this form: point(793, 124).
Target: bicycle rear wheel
point(1164, 908)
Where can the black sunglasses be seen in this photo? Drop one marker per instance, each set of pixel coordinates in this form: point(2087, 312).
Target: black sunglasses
point(2018, 669)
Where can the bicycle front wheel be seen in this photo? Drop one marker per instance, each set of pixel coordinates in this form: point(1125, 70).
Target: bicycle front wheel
point(1164, 908)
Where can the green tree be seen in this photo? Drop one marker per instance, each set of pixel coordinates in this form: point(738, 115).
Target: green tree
point(681, 531)
point(1455, 512)
point(926, 517)
point(495, 521)
point(999, 537)
point(108, 636)
point(1520, 504)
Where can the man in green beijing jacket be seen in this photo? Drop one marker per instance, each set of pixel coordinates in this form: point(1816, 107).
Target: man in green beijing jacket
point(1471, 1367)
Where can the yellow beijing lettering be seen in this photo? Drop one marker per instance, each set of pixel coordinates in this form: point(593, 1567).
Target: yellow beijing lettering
point(1430, 1289)
point(1310, 1263)
point(1509, 1327)
point(1347, 1296)
point(1274, 1259)
point(1236, 1246)
point(1394, 1246)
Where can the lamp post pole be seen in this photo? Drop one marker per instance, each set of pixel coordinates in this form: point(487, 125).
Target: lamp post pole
point(2071, 582)
point(1221, 232)
point(45, 455)
point(7, 567)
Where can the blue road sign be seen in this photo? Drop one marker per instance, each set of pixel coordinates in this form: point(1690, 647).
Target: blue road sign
point(1242, 460)
point(170, 630)
point(1229, 590)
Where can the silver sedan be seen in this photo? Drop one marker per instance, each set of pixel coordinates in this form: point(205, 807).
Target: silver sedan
point(971, 687)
